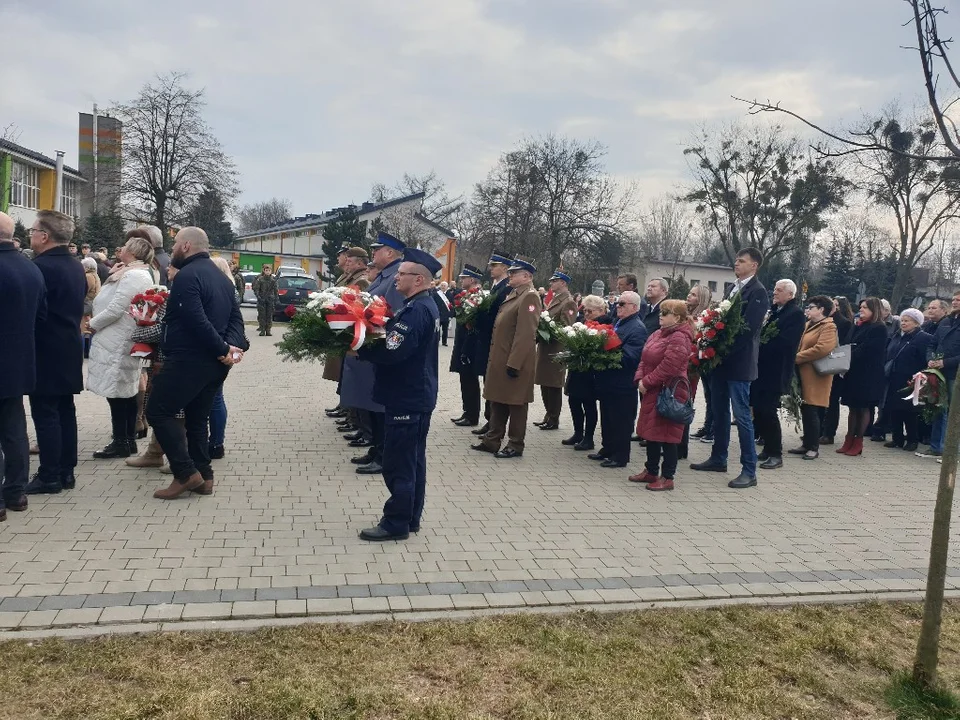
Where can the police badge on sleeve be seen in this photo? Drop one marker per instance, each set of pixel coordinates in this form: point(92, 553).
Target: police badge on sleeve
point(394, 340)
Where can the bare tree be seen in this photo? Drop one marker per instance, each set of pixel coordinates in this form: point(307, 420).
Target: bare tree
point(260, 215)
point(666, 230)
point(10, 133)
point(437, 206)
point(759, 187)
point(944, 264)
point(170, 153)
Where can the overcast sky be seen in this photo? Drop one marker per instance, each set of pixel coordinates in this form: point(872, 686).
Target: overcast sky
point(316, 101)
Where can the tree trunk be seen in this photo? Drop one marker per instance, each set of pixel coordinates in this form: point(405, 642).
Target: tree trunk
point(899, 285)
point(928, 647)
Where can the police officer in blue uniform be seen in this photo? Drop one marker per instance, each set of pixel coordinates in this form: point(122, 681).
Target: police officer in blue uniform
point(405, 383)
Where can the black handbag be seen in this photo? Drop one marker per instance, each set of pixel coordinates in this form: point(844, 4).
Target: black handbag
point(670, 408)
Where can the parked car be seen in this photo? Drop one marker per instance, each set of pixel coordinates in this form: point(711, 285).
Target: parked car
point(291, 271)
point(249, 298)
point(292, 291)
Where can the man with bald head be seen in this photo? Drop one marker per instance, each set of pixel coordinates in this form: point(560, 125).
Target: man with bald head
point(203, 339)
point(22, 303)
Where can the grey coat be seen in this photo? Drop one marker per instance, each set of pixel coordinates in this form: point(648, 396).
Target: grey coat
point(356, 384)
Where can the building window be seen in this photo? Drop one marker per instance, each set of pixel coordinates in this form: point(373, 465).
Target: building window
point(694, 282)
point(68, 199)
point(712, 284)
point(24, 186)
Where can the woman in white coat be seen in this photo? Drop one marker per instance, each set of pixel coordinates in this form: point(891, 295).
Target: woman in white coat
point(112, 373)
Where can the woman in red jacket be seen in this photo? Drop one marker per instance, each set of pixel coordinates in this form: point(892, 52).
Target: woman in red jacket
point(664, 362)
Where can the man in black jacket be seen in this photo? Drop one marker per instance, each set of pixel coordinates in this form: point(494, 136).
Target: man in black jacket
point(730, 380)
point(461, 357)
point(203, 339)
point(499, 274)
point(59, 353)
point(775, 371)
point(23, 302)
point(947, 346)
point(656, 292)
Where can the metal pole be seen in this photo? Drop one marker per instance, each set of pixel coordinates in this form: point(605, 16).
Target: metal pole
point(96, 153)
point(58, 193)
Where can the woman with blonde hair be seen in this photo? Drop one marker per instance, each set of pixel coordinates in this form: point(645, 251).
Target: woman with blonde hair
point(93, 287)
point(663, 364)
point(112, 373)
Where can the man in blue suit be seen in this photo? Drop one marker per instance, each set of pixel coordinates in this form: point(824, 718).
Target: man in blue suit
point(59, 353)
point(730, 380)
point(405, 383)
point(22, 303)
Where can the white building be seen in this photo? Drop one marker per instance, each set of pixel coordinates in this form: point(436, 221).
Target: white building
point(719, 278)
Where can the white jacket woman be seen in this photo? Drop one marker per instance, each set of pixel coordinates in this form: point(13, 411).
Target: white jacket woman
point(112, 373)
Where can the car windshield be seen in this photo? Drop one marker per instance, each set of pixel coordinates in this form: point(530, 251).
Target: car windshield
point(297, 283)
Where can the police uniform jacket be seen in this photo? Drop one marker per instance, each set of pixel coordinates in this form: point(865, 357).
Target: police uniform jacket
point(407, 362)
point(464, 350)
point(23, 303)
point(515, 346)
point(333, 365)
point(58, 342)
point(356, 383)
point(563, 311)
point(483, 335)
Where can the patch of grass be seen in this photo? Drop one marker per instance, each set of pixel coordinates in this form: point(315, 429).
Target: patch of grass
point(805, 662)
point(912, 702)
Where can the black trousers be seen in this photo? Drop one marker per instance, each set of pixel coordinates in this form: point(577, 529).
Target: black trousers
point(618, 413)
point(810, 417)
point(585, 416)
point(903, 416)
point(708, 416)
point(55, 422)
point(470, 396)
point(186, 382)
point(123, 417)
point(14, 449)
point(831, 416)
point(404, 469)
point(377, 420)
point(444, 330)
point(766, 424)
point(552, 403)
point(364, 423)
point(670, 454)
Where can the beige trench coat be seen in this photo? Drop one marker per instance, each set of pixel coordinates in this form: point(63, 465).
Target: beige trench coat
point(514, 345)
point(563, 311)
point(817, 341)
point(332, 366)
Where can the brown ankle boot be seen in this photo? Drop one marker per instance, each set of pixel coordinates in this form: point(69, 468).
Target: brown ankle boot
point(151, 458)
point(177, 488)
point(205, 489)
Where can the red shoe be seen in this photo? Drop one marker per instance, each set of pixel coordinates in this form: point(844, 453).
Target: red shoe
point(661, 483)
point(846, 444)
point(644, 477)
point(856, 447)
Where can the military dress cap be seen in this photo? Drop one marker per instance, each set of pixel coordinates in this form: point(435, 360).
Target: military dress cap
point(471, 271)
point(560, 275)
point(388, 240)
point(357, 252)
point(521, 264)
point(418, 256)
point(499, 257)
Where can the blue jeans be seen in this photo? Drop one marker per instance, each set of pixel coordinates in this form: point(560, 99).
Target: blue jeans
point(938, 432)
point(218, 419)
point(723, 394)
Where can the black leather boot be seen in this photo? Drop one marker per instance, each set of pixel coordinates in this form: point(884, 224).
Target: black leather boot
point(116, 449)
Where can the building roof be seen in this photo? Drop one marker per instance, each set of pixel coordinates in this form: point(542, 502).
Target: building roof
point(316, 220)
point(35, 157)
point(707, 266)
point(436, 226)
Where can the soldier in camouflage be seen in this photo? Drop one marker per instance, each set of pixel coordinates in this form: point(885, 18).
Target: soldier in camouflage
point(265, 288)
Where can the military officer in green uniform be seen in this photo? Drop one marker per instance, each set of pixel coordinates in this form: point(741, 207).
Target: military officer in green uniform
point(550, 375)
point(265, 288)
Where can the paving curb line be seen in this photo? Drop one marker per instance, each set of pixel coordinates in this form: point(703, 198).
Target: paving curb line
point(244, 624)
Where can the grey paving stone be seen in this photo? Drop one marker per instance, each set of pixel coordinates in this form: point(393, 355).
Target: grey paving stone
point(353, 591)
point(848, 575)
point(320, 592)
point(565, 584)
point(590, 584)
point(724, 578)
point(537, 584)
point(446, 588)
point(502, 586)
point(278, 593)
point(754, 577)
point(651, 581)
point(805, 576)
point(21, 604)
point(415, 589)
point(823, 575)
point(386, 590)
point(152, 597)
point(672, 580)
point(705, 579)
point(62, 602)
point(240, 595)
point(108, 600)
point(779, 576)
point(196, 596)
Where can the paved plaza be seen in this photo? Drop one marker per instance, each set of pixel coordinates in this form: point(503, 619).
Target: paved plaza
point(279, 536)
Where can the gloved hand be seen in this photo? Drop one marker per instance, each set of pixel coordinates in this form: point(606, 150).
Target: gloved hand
point(512, 372)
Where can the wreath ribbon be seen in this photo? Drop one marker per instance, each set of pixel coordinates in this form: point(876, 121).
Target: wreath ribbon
point(350, 312)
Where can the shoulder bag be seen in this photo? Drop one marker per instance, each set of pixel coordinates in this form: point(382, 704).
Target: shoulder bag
point(836, 363)
point(669, 408)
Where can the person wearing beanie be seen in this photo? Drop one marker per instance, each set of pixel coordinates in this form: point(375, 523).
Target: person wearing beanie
point(906, 356)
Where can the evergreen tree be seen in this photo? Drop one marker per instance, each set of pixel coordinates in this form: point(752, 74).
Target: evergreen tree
point(679, 287)
point(346, 229)
point(20, 233)
point(101, 229)
point(209, 214)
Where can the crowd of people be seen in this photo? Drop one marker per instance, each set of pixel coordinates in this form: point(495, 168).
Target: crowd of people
point(60, 307)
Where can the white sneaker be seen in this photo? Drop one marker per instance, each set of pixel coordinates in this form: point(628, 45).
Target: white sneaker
point(939, 461)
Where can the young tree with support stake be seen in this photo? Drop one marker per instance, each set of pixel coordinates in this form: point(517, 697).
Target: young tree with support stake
point(933, 52)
